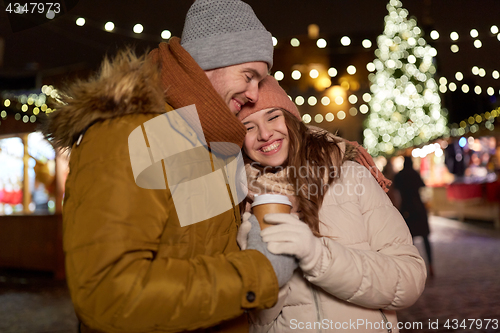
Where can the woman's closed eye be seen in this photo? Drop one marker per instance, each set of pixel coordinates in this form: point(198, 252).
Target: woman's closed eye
point(274, 117)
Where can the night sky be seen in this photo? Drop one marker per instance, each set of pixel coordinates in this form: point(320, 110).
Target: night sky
point(60, 46)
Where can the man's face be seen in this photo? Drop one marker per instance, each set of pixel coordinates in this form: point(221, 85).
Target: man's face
point(238, 84)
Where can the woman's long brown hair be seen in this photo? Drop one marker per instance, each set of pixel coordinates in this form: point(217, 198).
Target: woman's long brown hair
point(314, 161)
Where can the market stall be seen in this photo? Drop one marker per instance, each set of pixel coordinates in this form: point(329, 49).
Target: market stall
point(32, 176)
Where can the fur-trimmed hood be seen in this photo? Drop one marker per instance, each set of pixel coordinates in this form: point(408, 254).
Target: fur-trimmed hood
point(349, 150)
point(127, 84)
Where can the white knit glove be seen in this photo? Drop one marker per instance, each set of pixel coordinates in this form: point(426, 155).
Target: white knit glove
point(292, 236)
point(242, 237)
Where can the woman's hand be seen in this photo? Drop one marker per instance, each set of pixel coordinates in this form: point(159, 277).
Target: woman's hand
point(242, 237)
point(289, 235)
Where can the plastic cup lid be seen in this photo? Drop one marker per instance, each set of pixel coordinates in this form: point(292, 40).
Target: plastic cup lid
point(271, 198)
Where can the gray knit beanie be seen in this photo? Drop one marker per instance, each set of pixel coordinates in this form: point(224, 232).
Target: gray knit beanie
point(221, 33)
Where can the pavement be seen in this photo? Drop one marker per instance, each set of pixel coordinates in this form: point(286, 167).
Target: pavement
point(465, 290)
point(461, 297)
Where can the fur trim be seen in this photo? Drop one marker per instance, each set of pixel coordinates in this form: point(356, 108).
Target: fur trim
point(127, 84)
point(350, 153)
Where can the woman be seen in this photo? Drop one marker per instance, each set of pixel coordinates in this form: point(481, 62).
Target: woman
point(357, 261)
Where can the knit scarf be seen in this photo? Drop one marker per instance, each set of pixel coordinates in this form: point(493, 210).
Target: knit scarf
point(185, 83)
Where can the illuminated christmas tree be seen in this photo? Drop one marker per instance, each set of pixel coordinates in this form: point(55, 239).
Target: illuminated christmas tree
point(405, 107)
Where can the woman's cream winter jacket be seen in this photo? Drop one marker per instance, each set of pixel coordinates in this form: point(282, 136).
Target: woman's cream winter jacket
point(368, 269)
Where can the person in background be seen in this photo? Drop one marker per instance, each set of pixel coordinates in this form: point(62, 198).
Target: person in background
point(408, 183)
point(392, 193)
point(356, 256)
point(131, 266)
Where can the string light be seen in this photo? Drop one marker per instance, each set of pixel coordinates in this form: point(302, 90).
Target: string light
point(109, 26)
point(314, 73)
point(306, 118)
point(434, 34)
point(80, 21)
point(166, 34)
point(332, 72)
point(318, 118)
point(33, 102)
point(312, 100)
point(138, 28)
point(299, 100)
point(366, 43)
point(279, 75)
point(296, 74)
point(351, 69)
point(321, 43)
point(295, 42)
point(50, 14)
point(474, 123)
point(345, 41)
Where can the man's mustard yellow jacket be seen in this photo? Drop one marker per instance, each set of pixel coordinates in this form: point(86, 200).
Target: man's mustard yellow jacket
point(130, 266)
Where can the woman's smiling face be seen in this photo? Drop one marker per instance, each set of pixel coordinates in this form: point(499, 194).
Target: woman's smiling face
point(267, 139)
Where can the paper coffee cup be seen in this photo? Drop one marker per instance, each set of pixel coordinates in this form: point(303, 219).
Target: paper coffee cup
point(270, 204)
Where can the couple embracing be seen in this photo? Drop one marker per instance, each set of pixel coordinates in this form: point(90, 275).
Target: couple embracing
point(132, 267)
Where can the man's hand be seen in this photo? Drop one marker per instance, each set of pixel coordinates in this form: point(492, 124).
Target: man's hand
point(283, 264)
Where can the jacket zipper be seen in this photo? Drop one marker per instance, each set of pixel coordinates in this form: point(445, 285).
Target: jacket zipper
point(318, 307)
point(389, 329)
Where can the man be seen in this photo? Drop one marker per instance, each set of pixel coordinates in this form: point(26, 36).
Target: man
point(131, 265)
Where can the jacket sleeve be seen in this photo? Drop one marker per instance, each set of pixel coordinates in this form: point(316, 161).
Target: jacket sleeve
point(262, 320)
point(390, 274)
point(118, 278)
